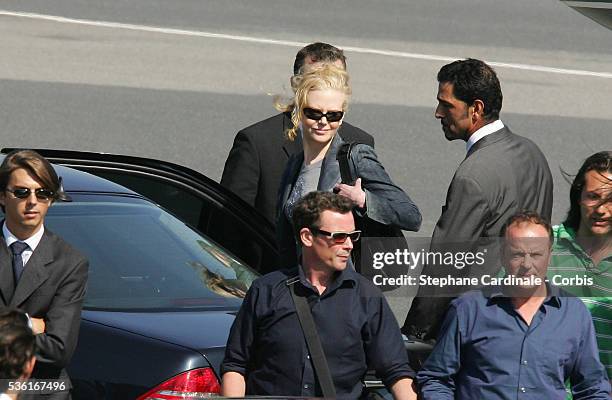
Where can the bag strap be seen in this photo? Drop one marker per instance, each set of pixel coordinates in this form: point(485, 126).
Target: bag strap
point(347, 169)
point(348, 176)
point(312, 341)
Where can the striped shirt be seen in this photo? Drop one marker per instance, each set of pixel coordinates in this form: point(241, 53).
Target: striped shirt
point(570, 260)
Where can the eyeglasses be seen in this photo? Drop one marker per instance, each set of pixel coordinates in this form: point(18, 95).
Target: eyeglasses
point(338, 237)
point(316, 115)
point(41, 193)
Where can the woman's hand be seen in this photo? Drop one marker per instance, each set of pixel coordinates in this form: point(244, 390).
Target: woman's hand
point(355, 193)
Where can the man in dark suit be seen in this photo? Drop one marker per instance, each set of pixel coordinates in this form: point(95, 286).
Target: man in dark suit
point(39, 272)
point(502, 174)
point(256, 162)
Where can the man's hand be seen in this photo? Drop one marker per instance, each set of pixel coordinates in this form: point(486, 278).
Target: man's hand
point(233, 385)
point(38, 325)
point(404, 389)
point(355, 193)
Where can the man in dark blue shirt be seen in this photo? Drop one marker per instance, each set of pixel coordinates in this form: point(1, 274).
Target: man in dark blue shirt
point(266, 352)
point(522, 340)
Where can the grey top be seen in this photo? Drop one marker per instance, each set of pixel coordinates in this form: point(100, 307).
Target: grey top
point(306, 182)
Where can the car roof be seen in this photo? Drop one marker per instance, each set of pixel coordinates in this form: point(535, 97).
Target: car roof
point(74, 180)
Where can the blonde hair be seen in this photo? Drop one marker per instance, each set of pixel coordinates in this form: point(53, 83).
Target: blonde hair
point(328, 76)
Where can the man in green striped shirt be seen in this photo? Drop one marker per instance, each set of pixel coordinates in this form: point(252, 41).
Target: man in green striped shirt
point(582, 254)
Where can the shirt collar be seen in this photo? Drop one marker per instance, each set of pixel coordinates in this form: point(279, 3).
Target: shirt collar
point(495, 293)
point(565, 232)
point(566, 235)
point(484, 131)
point(32, 241)
point(346, 275)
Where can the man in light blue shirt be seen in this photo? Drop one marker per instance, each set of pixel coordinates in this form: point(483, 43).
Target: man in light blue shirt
point(521, 340)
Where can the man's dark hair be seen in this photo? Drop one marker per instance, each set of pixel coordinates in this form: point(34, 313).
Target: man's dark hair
point(33, 163)
point(17, 344)
point(307, 211)
point(531, 217)
point(600, 162)
point(474, 80)
point(318, 52)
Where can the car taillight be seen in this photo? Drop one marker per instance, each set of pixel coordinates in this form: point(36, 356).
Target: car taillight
point(197, 383)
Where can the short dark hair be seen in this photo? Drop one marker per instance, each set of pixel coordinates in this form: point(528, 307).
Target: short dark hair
point(36, 165)
point(474, 80)
point(307, 211)
point(600, 162)
point(317, 52)
point(530, 217)
point(17, 344)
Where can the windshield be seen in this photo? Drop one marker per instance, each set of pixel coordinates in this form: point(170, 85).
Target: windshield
point(141, 257)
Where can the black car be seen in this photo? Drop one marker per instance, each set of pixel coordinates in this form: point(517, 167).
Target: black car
point(162, 292)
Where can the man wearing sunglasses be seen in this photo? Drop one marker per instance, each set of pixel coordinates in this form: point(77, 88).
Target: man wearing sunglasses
point(256, 162)
point(267, 354)
point(39, 272)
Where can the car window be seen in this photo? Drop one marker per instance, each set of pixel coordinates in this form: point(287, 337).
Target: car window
point(184, 204)
point(208, 216)
point(142, 257)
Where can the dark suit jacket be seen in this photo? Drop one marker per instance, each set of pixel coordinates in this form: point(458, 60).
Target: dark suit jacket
point(386, 202)
point(256, 162)
point(502, 174)
point(51, 287)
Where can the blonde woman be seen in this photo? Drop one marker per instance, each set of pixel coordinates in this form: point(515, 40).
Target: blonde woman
point(318, 110)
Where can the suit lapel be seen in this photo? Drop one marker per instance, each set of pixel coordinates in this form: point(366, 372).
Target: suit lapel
point(35, 271)
point(488, 140)
point(330, 172)
point(295, 165)
point(7, 286)
point(290, 147)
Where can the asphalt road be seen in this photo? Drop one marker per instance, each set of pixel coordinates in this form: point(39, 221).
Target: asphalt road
point(175, 80)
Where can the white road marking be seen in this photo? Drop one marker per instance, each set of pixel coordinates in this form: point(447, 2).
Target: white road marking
point(363, 50)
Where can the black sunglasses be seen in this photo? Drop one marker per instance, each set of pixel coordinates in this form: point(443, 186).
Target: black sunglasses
point(316, 115)
point(338, 237)
point(24, 193)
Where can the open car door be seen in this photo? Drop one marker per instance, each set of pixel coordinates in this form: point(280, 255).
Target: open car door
point(194, 198)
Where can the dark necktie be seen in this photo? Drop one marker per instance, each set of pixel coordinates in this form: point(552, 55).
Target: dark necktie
point(17, 248)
